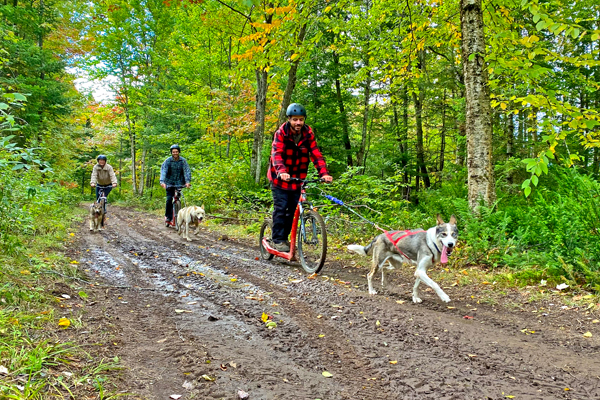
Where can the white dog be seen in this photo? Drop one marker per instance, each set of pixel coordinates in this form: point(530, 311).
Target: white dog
point(421, 248)
point(187, 216)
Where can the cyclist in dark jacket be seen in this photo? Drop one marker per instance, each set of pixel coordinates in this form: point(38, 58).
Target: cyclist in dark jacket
point(174, 173)
point(293, 145)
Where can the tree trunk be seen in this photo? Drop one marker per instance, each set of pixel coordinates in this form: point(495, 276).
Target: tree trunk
point(291, 83)
point(259, 130)
point(343, 115)
point(478, 110)
point(443, 137)
point(421, 167)
point(510, 135)
point(365, 123)
point(142, 172)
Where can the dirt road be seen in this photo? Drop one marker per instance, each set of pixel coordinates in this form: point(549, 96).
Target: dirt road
point(185, 319)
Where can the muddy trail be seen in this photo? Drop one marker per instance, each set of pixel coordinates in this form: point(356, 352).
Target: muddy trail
point(184, 318)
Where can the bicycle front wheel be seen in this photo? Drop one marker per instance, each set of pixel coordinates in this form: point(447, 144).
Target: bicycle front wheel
point(176, 208)
point(265, 232)
point(312, 242)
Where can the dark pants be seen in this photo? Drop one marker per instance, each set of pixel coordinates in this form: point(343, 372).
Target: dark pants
point(284, 202)
point(169, 205)
point(106, 192)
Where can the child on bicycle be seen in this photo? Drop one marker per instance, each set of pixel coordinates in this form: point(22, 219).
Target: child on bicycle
point(174, 173)
point(294, 143)
point(104, 175)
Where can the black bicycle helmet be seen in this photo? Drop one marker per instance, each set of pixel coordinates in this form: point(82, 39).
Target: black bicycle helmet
point(296, 109)
point(175, 146)
point(101, 157)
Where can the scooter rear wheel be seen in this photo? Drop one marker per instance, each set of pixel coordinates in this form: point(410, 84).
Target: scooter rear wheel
point(266, 231)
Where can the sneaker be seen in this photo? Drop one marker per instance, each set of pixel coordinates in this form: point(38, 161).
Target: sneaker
point(282, 246)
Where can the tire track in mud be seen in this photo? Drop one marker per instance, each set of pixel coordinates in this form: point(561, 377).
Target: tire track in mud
point(374, 347)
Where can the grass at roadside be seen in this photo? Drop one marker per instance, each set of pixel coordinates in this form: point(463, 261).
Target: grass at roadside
point(36, 359)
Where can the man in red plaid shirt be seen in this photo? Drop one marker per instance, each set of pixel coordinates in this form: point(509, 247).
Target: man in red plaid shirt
point(293, 145)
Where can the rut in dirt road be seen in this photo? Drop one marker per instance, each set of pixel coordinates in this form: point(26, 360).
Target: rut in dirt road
point(191, 324)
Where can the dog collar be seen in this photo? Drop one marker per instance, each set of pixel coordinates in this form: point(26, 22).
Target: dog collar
point(435, 245)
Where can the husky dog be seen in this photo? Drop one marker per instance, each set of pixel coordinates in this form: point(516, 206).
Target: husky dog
point(96, 217)
point(187, 216)
point(418, 247)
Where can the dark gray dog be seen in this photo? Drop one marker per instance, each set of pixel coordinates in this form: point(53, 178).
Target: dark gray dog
point(418, 247)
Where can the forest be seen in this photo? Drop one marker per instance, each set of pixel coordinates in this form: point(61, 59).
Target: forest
point(486, 110)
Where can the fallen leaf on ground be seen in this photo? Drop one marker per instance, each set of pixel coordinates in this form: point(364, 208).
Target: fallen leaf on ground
point(400, 301)
point(295, 280)
point(175, 396)
point(64, 322)
point(394, 362)
point(161, 340)
point(327, 374)
point(587, 334)
point(208, 378)
point(182, 311)
point(467, 317)
point(264, 317)
point(312, 276)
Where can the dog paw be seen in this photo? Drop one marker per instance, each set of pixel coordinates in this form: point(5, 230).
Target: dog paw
point(417, 299)
point(445, 298)
point(189, 240)
point(372, 292)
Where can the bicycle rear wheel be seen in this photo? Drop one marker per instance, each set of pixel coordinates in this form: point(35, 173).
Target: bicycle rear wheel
point(266, 231)
point(312, 241)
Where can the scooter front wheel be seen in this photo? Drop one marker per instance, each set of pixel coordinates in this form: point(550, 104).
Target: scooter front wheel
point(312, 242)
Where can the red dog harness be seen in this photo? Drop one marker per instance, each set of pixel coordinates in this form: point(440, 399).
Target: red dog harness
point(395, 241)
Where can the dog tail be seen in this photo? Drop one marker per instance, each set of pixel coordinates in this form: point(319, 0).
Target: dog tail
point(362, 250)
point(358, 249)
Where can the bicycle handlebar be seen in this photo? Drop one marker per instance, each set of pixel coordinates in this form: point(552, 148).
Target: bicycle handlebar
point(298, 180)
point(104, 186)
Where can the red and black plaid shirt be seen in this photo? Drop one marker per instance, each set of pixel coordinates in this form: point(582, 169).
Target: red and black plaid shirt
point(287, 157)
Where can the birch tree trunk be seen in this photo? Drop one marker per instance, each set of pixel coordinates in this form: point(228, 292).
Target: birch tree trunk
point(478, 110)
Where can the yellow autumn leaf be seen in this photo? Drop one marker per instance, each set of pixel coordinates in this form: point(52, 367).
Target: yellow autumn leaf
point(74, 262)
point(233, 279)
point(264, 317)
point(394, 362)
point(294, 56)
point(25, 272)
point(327, 374)
point(327, 9)
point(64, 322)
point(71, 234)
point(587, 334)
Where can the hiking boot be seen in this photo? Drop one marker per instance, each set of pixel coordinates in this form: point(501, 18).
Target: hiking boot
point(282, 246)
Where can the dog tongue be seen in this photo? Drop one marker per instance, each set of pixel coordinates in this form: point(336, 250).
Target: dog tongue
point(444, 258)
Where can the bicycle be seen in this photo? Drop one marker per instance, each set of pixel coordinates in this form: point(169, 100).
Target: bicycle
point(177, 200)
point(312, 240)
point(102, 200)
